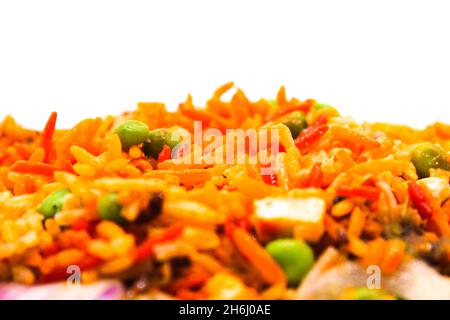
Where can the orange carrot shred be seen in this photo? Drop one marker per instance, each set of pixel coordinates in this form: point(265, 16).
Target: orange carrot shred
point(393, 256)
point(34, 168)
point(269, 270)
point(357, 222)
point(47, 135)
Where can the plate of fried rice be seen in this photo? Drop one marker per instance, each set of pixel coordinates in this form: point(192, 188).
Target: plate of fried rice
point(269, 199)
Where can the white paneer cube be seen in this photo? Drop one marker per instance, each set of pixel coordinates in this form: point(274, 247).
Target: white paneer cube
point(275, 216)
point(295, 210)
point(438, 187)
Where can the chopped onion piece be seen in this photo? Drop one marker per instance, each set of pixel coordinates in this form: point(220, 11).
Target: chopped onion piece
point(102, 290)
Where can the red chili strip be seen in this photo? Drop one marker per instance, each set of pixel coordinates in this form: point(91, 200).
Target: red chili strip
point(368, 192)
point(145, 249)
point(419, 198)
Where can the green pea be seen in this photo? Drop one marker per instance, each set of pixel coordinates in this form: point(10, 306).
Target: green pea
point(427, 156)
point(158, 138)
point(53, 203)
point(294, 256)
point(109, 208)
point(321, 106)
point(273, 102)
point(363, 293)
point(131, 133)
point(295, 121)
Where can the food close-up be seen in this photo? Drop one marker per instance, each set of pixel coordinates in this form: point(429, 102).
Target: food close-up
point(277, 198)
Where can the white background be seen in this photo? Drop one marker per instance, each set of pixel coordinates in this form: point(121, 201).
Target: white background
point(374, 60)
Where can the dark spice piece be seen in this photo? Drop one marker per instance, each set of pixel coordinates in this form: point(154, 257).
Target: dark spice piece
point(179, 265)
point(338, 199)
point(154, 208)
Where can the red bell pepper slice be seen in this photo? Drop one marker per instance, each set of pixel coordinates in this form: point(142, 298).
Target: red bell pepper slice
point(321, 120)
point(419, 198)
point(80, 224)
point(270, 179)
point(314, 178)
point(165, 154)
point(312, 134)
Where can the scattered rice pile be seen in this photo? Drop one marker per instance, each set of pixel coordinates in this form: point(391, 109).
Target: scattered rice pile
point(199, 230)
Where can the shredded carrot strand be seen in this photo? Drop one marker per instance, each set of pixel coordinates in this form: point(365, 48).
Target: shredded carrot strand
point(258, 257)
point(393, 256)
point(47, 135)
point(353, 137)
point(34, 168)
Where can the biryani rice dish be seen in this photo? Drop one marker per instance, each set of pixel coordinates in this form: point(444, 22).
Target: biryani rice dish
point(130, 207)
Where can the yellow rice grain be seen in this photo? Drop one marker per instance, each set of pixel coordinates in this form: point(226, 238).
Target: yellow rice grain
point(38, 155)
point(69, 256)
point(23, 275)
point(52, 227)
point(342, 208)
point(84, 157)
point(192, 213)
point(30, 239)
point(68, 217)
point(207, 262)
point(109, 230)
point(119, 184)
point(12, 230)
point(84, 170)
point(116, 266)
point(169, 250)
point(122, 245)
point(131, 211)
point(135, 152)
point(101, 248)
point(201, 239)
point(8, 249)
point(114, 150)
point(89, 276)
